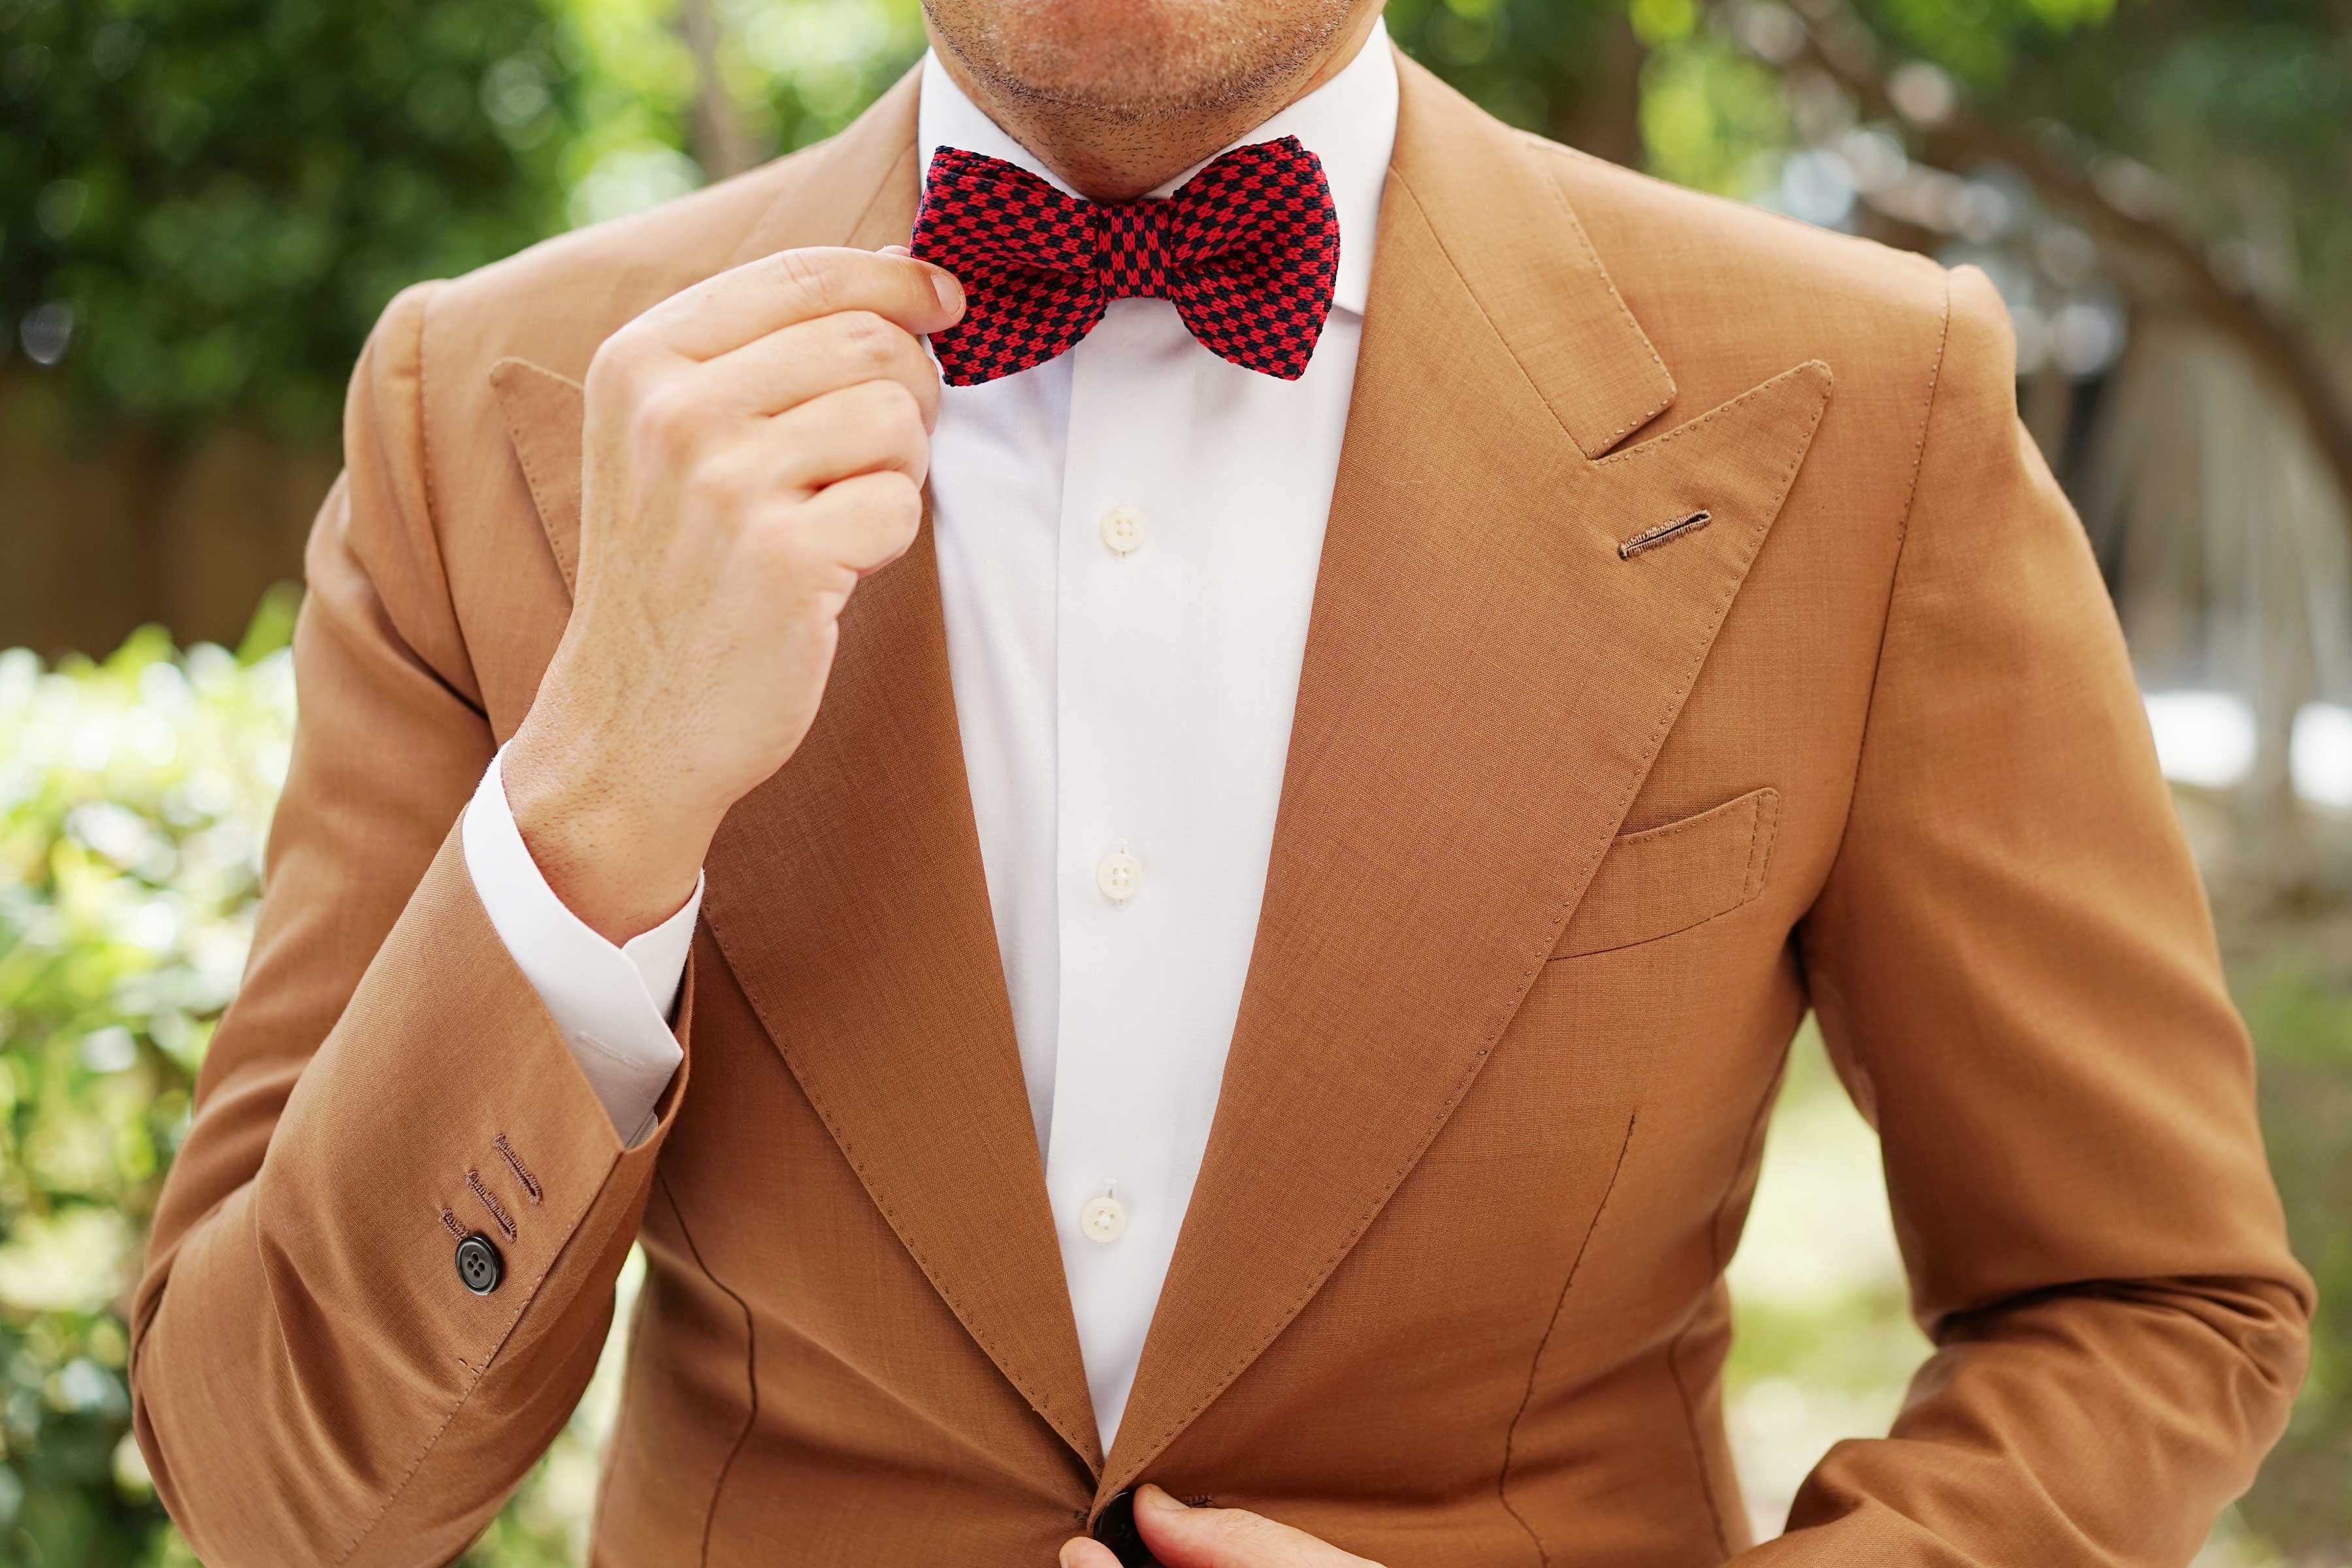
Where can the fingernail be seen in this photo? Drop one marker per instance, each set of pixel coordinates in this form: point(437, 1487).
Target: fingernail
point(1148, 1495)
point(951, 292)
point(894, 251)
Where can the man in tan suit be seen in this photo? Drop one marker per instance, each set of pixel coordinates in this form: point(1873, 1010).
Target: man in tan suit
point(1209, 913)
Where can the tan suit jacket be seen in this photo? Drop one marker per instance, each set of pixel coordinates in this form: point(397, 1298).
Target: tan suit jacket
point(1569, 840)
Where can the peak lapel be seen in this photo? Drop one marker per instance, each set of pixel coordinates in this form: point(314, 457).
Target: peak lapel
point(847, 892)
point(1486, 682)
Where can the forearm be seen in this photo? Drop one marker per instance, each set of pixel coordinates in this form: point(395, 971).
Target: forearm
point(611, 1003)
point(2019, 1426)
point(2015, 970)
point(314, 1381)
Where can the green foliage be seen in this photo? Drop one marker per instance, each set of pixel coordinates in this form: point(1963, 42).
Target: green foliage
point(1978, 40)
point(1712, 118)
point(1825, 1344)
point(133, 794)
point(206, 202)
point(2241, 107)
point(1531, 62)
point(2302, 1022)
point(203, 204)
point(785, 76)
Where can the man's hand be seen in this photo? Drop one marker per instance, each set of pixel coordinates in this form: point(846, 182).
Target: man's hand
point(753, 447)
point(1184, 1537)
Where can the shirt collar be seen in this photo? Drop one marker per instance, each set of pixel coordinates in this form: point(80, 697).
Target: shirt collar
point(1349, 123)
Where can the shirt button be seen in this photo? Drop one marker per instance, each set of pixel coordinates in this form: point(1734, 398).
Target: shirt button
point(1104, 1219)
point(1122, 530)
point(1120, 875)
point(479, 1266)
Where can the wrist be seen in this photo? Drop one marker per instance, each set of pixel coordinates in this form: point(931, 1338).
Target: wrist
point(622, 849)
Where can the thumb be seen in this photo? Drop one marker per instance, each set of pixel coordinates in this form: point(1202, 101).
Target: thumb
point(1181, 1537)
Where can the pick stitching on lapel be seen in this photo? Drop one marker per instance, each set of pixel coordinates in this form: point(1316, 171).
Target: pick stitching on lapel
point(847, 893)
point(1469, 688)
point(1486, 683)
point(542, 411)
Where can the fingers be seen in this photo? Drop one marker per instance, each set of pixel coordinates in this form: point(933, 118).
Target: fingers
point(1081, 1552)
point(747, 302)
point(863, 523)
point(1184, 1537)
point(860, 429)
point(795, 364)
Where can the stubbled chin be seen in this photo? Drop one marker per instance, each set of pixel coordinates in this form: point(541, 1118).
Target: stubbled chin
point(1110, 54)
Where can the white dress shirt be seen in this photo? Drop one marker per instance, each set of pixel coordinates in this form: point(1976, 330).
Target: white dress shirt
point(1128, 538)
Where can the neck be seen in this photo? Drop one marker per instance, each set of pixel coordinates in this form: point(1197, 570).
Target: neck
point(1108, 158)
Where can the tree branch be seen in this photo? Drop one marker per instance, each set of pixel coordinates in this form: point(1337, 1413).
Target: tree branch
point(1830, 38)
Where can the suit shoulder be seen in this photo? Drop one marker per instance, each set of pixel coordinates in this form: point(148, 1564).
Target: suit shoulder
point(1718, 282)
point(554, 303)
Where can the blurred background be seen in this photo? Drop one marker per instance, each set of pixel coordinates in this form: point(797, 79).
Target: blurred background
point(205, 202)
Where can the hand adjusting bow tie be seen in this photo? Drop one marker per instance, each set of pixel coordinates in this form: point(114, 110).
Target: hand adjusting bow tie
point(1246, 249)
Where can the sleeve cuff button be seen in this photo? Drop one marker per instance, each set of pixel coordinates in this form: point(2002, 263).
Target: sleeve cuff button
point(479, 1266)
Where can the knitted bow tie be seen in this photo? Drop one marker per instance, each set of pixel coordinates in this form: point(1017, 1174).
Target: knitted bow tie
point(1246, 249)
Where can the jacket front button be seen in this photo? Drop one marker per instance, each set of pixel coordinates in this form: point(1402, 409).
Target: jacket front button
point(1115, 1528)
point(479, 1266)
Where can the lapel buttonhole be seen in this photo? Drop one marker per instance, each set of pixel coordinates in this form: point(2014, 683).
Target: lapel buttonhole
point(1650, 538)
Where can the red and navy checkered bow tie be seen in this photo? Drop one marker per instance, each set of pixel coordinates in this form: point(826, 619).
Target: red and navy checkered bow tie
point(1246, 249)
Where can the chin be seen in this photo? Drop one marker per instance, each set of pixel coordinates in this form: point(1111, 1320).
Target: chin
point(1133, 59)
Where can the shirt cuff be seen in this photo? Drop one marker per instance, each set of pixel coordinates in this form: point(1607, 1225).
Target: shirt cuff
point(611, 1005)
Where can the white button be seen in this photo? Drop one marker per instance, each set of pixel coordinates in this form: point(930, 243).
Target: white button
point(1122, 529)
point(1120, 875)
point(1104, 1219)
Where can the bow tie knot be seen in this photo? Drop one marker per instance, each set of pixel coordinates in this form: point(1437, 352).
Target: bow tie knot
point(1132, 254)
point(1247, 250)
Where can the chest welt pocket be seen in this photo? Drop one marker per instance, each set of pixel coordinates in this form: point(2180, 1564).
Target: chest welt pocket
point(1669, 878)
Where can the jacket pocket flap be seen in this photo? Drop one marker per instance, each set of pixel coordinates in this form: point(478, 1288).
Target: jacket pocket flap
point(1668, 879)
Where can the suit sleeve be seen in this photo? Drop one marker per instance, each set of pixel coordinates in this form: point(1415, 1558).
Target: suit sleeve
point(2015, 969)
point(313, 1381)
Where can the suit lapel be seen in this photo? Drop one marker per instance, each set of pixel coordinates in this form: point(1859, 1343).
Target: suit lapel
point(1486, 684)
point(847, 892)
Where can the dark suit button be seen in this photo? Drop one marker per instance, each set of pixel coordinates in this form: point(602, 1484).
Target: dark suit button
point(479, 1265)
point(1115, 1528)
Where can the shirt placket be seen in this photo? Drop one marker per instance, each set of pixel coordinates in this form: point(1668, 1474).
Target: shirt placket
point(1119, 870)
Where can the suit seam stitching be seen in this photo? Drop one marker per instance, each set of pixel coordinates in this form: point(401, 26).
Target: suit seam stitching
point(754, 990)
point(875, 199)
point(1593, 253)
point(425, 294)
point(466, 692)
point(475, 1380)
point(751, 1366)
point(1763, 825)
point(527, 457)
point(1761, 848)
point(1577, 880)
point(1753, 800)
point(1721, 411)
point(424, 424)
point(1727, 911)
point(1714, 1272)
point(1534, 1361)
point(1895, 571)
point(1421, 213)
